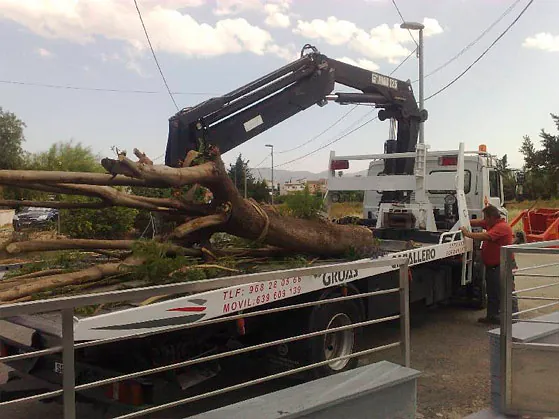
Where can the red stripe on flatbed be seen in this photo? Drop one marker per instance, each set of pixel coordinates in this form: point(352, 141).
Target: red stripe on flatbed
point(189, 309)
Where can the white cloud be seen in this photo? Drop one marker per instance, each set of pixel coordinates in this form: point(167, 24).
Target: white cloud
point(288, 53)
point(544, 41)
point(234, 7)
point(381, 41)
point(361, 62)
point(332, 30)
point(276, 17)
point(44, 53)
point(172, 4)
point(276, 11)
point(170, 31)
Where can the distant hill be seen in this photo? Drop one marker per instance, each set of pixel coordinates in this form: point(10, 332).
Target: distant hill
point(282, 176)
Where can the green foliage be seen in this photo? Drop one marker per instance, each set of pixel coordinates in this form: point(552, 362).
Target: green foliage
point(303, 204)
point(11, 140)
point(12, 155)
point(541, 165)
point(158, 265)
point(67, 157)
point(162, 224)
point(106, 223)
point(68, 260)
point(256, 189)
point(509, 183)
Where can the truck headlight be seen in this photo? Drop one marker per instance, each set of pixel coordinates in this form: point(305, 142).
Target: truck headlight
point(450, 199)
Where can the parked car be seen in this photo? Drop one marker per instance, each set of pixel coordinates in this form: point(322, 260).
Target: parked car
point(34, 217)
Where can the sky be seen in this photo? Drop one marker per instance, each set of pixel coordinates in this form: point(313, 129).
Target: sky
point(209, 48)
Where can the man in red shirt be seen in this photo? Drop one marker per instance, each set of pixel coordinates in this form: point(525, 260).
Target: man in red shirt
point(497, 234)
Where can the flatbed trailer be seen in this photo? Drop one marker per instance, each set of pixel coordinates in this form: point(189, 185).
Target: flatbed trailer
point(436, 269)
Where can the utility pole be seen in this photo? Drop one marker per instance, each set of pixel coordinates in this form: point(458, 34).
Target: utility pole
point(245, 171)
point(272, 151)
point(416, 26)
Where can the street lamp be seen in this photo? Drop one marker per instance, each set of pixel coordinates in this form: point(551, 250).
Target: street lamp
point(272, 152)
point(416, 26)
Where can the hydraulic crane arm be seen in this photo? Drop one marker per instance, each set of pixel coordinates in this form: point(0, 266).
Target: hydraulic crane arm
point(232, 119)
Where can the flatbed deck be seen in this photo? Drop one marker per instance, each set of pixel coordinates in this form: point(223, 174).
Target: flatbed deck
point(219, 297)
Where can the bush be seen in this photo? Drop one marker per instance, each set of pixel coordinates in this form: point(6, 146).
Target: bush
point(303, 204)
point(106, 223)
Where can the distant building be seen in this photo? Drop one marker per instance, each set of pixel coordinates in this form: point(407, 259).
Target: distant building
point(317, 186)
point(291, 187)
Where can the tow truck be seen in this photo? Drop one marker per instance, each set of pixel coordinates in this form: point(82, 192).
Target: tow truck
point(408, 225)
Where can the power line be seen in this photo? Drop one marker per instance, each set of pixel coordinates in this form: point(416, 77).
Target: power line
point(344, 115)
point(483, 54)
point(263, 160)
point(330, 143)
point(154, 56)
point(433, 95)
point(403, 21)
point(355, 106)
point(403, 62)
point(99, 89)
point(474, 42)
point(321, 133)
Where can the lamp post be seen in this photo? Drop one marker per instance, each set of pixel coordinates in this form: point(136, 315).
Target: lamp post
point(416, 26)
point(272, 152)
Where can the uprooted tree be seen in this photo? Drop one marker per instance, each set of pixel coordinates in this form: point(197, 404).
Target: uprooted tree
point(196, 221)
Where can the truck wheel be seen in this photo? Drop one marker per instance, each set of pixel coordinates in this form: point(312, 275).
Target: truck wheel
point(337, 344)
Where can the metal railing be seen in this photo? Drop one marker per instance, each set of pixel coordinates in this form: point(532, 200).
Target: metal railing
point(66, 306)
point(529, 369)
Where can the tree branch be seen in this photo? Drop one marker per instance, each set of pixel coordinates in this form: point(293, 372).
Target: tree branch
point(86, 244)
point(52, 204)
point(22, 177)
point(204, 173)
point(90, 274)
point(198, 224)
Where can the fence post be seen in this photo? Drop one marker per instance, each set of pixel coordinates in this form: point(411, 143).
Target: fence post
point(68, 372)
point(405, 314)
point(506, 277)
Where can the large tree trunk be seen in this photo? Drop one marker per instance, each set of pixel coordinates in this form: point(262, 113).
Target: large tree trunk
point(229, 212)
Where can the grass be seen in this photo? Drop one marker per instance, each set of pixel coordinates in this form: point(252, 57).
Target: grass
point(345, 209)
point(515, 208)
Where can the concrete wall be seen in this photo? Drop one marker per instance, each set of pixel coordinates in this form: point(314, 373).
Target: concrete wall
point(6, 217)
point(377, 391)
point(534, 371)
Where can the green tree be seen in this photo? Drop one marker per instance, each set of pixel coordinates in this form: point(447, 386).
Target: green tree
point(256, 189)
point(509, 183)
point(67, 157)
point(12, 155)
point(106, 223)
point(303, 204)
point(541, 166)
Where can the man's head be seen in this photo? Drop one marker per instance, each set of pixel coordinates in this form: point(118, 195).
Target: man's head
point(491, 215)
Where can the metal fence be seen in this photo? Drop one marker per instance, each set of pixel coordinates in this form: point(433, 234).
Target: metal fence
point(529, 338)
point(67, 305)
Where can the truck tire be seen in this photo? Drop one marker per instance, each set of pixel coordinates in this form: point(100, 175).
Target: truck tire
point(337, 344)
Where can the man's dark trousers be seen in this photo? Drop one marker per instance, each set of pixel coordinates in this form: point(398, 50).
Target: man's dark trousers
point(493, 282)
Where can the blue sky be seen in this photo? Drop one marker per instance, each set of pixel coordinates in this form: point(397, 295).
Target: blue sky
point(212, 47)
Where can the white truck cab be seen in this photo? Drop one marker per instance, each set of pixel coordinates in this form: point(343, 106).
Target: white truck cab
point(482, 182)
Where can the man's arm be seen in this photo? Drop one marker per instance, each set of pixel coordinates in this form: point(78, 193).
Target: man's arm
point(476, 236)
point(478, 223)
